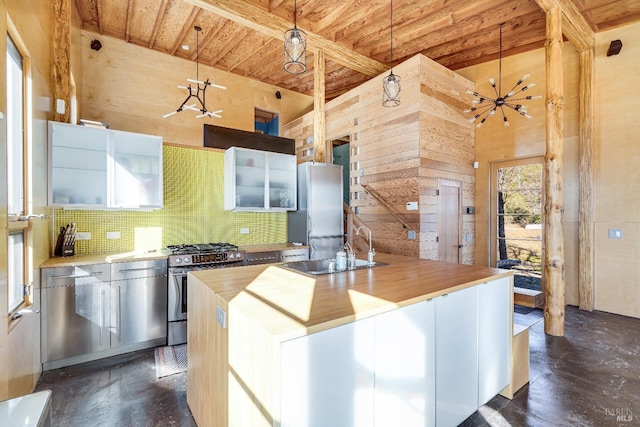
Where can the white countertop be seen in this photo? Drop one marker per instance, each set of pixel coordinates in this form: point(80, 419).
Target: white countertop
point(29, 410)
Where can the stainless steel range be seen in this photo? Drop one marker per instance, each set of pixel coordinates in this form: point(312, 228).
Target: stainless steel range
point(185, 258)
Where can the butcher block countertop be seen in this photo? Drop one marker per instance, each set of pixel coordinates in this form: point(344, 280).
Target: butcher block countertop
point(288, 304)
point(87, 259)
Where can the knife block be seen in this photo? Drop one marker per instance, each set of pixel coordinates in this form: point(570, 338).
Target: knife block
point(68, 250)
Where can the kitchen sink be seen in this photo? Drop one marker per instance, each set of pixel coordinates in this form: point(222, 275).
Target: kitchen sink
point(318, 267)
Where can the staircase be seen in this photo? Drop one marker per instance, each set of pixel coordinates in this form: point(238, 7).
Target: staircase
point(528, 297)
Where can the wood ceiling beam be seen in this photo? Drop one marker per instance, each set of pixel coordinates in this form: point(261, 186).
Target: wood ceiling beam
point(188, 26)
point(99, 15)
point(574, 26)
point(127, 31)
point(248, 15)
point(158, 23)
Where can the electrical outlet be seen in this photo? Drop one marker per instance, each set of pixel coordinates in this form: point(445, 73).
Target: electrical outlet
point(244, 231)
point(83, 235)
point(412, 235)
point(113, 234)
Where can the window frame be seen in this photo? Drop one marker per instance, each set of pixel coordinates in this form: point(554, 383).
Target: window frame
point(15, 226)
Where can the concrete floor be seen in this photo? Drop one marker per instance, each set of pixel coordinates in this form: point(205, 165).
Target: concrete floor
point(589, 377)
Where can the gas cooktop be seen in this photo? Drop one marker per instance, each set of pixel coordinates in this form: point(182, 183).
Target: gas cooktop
point(200, 248)
point(204, 254)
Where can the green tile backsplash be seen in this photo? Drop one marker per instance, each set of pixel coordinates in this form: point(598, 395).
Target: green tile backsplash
point(193, 212)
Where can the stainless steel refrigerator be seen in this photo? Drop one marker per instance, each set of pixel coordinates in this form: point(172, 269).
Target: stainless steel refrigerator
point(318, 222)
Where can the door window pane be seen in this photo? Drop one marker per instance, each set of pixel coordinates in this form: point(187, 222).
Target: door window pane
point(16, 270)
point(15, 140)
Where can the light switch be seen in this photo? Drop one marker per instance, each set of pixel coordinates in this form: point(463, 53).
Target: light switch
point(615, 233)
point(244, 231)
point(412, 235)
point(412, 206)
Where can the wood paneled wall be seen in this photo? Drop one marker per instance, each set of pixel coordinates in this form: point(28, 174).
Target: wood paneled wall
point(131, 88)
point(401, 152)
point(617, 173)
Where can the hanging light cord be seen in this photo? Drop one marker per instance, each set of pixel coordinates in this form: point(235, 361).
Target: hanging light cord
point(391, 28)
point(196, 91)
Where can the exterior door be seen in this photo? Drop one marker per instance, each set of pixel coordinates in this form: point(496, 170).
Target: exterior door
point(449, 220)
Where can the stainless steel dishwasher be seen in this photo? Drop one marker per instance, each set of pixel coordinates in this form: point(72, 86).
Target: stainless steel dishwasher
point(100, 310)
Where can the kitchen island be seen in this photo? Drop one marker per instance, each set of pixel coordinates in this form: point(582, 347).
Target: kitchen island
point(415, 342)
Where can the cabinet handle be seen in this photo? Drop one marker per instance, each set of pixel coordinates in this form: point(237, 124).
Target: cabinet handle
point(101, 314)
point(119, 314)
point(77, 276)
point(126, 270)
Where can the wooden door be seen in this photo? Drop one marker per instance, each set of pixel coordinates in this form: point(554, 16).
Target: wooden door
point(449, 220)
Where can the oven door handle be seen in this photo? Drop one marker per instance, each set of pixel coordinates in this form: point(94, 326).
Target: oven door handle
point(177, 283)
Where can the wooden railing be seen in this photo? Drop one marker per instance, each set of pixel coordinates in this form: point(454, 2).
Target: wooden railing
point(385, 205)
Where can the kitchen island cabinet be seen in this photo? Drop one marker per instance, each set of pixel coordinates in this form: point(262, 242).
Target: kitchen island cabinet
point(268, 346)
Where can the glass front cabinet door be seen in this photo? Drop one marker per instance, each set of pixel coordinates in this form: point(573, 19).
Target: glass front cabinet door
point(94, 168)
point(257, 180)
point(78, 166)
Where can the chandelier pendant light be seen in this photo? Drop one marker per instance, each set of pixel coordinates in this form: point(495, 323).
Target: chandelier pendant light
point(391, 83)
point(295, 47)
point(486, 106)
point(197, 90)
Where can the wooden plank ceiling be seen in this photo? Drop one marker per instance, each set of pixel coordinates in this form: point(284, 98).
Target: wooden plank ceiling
point(240, 36)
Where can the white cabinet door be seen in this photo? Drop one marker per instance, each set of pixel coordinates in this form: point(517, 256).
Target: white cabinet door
point(456, 337)
point(256, 180)
point(137, 166)
point(405, 367)
point(327, 378)
point(78, 165)
point(494, 304)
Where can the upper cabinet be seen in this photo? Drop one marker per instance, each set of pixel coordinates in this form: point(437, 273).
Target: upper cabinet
point(93, 168)
point(257, 180)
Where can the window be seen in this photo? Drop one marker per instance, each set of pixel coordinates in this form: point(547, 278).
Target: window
point(17, 242)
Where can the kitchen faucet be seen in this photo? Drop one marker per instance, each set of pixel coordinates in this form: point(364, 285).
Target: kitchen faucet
point(372, 251)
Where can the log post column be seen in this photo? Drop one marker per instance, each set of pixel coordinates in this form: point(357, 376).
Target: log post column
point(586, 218)
point(61, 73)
point(553, 261)
point(319, 142)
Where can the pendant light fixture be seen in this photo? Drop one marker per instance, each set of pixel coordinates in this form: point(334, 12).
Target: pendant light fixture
point(486, 106)
point(198, 92)
point(295, 47)
point(391, 83)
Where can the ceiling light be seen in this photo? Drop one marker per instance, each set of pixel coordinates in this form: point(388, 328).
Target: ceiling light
point(486, 106)
point(391, 83)
point(185, 47)
point(196, 91)
point(295, 47)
